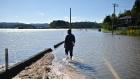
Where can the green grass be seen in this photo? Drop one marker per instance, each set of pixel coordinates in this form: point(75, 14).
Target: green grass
point(105, 31)
point(124, 32)
point(129, 32)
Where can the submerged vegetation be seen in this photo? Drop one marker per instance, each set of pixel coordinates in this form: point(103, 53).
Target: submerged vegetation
point(130, 32)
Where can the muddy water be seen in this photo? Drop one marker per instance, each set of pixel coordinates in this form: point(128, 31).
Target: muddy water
point(96, 54)
point(103, 56)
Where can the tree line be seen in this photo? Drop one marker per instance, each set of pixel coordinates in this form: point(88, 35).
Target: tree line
point(65, 24)
point(54, 24)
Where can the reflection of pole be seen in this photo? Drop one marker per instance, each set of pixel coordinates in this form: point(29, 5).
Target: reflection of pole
point(70, 19)
point(113, 22)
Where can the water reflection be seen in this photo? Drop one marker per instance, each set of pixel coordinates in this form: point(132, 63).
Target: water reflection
point(82, 66)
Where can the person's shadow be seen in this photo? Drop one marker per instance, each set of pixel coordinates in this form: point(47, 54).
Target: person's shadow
point(82, 66)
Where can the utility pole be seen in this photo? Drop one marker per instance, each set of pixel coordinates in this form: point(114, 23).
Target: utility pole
point(70, 19)
point(113, 22)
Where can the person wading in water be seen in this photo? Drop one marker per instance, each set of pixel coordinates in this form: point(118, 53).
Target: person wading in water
point(69, 44)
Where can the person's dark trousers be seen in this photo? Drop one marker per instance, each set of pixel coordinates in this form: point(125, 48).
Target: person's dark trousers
point(70, 51)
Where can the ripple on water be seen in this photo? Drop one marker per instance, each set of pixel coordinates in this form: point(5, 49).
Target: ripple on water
point(71, 70)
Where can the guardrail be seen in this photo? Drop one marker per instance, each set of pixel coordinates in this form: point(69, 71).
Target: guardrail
point(15, 69)
point(57, 45)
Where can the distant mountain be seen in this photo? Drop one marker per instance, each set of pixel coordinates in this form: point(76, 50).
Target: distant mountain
point(23, 25)
point(41, 26)
point(8, 25)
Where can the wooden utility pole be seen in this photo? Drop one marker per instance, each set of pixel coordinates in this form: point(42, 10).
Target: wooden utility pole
point(70, 19)
point(113, 22)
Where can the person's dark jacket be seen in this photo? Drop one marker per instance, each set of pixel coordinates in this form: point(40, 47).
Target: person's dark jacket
point(69, 41)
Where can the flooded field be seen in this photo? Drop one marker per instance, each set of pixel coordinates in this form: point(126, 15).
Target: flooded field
point(96, 55)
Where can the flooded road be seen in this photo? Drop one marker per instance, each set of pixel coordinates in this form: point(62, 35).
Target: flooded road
point(103, 56)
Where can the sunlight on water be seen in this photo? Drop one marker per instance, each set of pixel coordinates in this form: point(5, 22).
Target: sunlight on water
point(28, 30)
point(65, 70)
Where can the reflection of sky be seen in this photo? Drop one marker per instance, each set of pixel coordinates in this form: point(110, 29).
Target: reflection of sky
point(36, 11)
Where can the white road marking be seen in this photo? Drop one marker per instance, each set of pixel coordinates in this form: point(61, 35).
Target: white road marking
point(110, 67)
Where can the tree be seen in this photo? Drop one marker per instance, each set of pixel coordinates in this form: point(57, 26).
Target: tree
point(64, 24)
point(107, 23)
point(136, 11)
point(107, 19)
point(126, 13)
point(85, 25)
point(59, 24)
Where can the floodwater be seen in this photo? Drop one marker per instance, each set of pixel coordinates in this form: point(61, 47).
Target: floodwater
point(23, 43)
point(103, 56)
point(97, 55)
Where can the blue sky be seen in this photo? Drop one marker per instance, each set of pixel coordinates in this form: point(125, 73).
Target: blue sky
point(45, 11)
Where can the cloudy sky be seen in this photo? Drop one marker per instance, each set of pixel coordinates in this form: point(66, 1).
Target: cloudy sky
point(45, 11)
